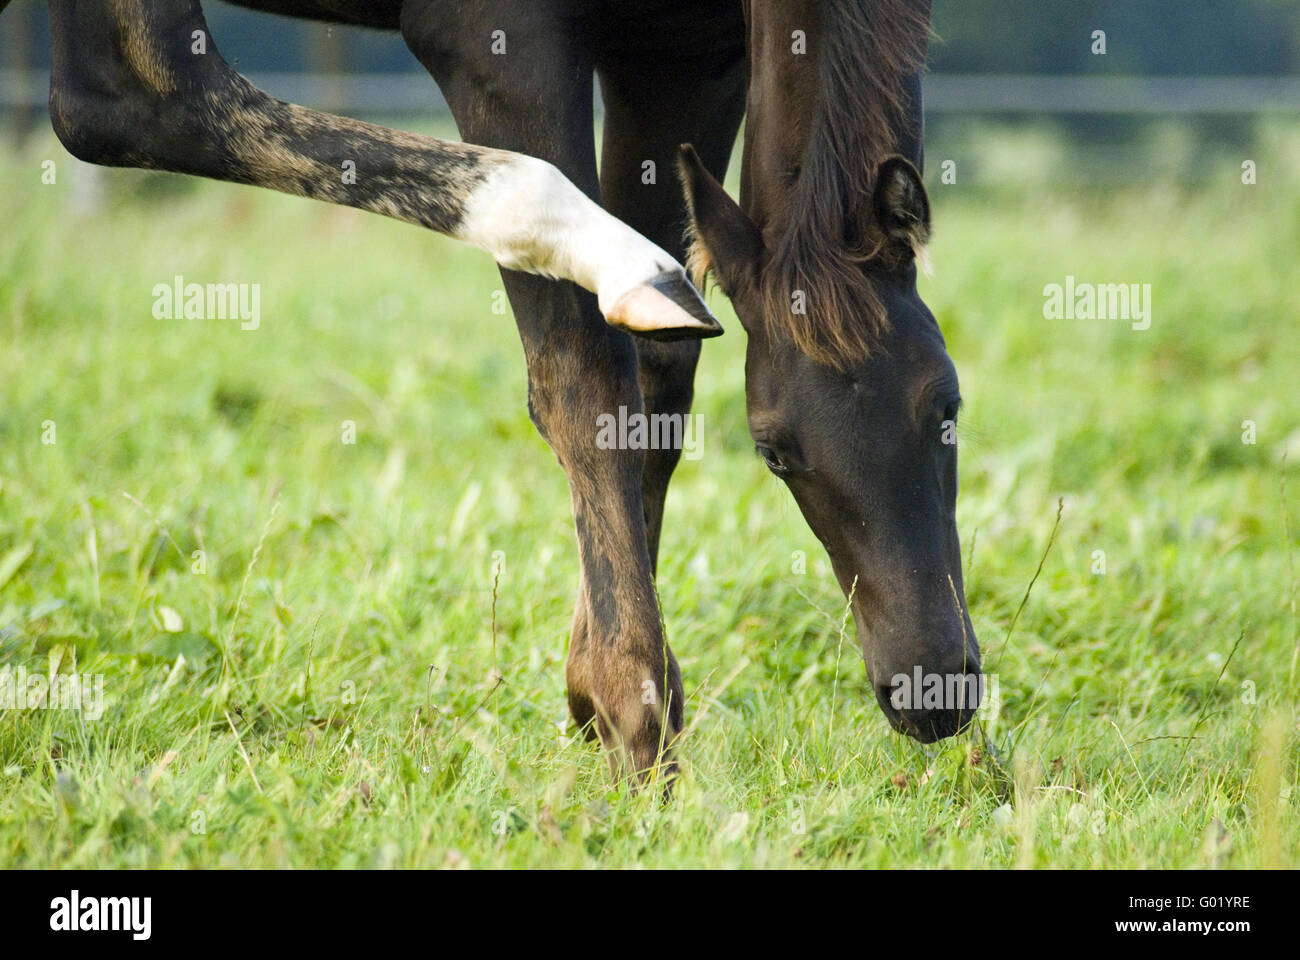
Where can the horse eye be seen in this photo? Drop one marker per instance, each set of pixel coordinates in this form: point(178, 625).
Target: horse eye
point(772, 459)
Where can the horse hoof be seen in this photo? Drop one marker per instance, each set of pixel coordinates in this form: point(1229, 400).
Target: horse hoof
point(666, 307)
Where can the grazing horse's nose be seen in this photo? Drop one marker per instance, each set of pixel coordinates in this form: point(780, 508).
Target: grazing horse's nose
point(928, 724)
point(930, 706)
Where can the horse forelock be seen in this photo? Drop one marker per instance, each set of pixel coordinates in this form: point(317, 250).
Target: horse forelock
point(815, 287)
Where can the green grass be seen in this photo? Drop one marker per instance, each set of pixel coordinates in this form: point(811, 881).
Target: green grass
point(325, 694)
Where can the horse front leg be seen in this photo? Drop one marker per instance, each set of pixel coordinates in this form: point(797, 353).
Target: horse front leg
point(654, 103)
point(623, 681)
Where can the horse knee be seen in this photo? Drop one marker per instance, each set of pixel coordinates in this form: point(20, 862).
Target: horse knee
point(122, 90)
point(92, 126)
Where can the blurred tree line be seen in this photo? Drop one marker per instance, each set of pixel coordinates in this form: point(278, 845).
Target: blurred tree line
point(1151, 37)
point(1143, 37)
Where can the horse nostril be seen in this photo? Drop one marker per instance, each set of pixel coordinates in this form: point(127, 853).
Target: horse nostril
point(948, 723)
point(884, 698)
point(901, 720)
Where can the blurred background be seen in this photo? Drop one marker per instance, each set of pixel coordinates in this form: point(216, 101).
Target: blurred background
point(1180, 80)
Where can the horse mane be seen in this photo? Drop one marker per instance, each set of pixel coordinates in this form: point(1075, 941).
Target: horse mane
point(869, 50)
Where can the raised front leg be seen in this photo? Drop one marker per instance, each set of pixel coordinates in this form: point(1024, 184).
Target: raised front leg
point(140, 83)
point(536, 97)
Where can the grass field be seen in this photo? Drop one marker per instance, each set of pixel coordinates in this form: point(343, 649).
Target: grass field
point(304, 663)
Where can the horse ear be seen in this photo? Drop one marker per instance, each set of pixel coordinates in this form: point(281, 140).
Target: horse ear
point(901, 208)
point(724, 240)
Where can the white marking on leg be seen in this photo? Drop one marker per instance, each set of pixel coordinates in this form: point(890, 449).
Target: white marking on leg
point(530, 217)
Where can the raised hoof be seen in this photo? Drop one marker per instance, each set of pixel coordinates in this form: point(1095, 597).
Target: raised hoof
point(667, 307)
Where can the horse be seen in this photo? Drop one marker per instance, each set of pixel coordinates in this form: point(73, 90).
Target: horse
point(851, 396)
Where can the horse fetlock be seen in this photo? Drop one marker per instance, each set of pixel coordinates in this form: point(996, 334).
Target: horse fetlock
point(632, 704)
